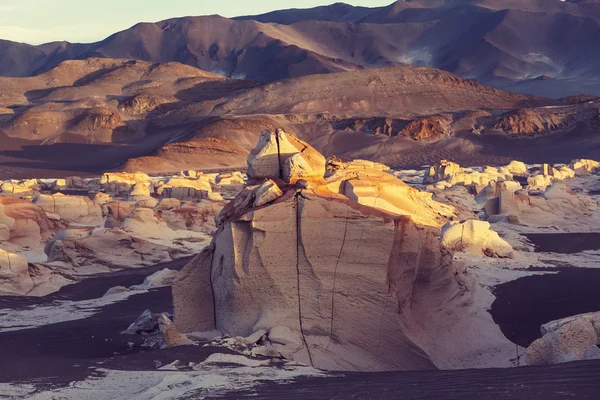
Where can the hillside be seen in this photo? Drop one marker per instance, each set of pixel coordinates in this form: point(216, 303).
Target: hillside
point(86, 116)
point(509, 44)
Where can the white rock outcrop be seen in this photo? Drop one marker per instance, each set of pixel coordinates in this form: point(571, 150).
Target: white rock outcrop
point(570, 339)
point(475, 237)
point(585, 167)
point(345, 271)
point(14, 274)
point(283, 156)
point(69, 208)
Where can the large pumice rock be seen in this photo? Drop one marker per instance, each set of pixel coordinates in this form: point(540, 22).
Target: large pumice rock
point(283, 156)
point(475, 237)
point(27, 223)
point(340, 283)
point(441, 171)
point(122, 182)
point(571, 339)
point(69, 208)
point(584, 167)
point(14, 274)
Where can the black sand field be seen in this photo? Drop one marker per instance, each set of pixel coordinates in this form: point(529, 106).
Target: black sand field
point(52, 356)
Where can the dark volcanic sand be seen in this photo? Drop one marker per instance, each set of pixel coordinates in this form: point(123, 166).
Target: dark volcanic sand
point(566, 381)
point(566, 243)
point(54, 355)
point(523, 305)
point(49, 353)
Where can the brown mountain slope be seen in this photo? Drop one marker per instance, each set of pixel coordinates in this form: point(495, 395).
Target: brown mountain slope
point(505, 43)
point(91, 115)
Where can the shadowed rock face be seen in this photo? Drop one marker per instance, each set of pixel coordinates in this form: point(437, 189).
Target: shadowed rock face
point(361, 284)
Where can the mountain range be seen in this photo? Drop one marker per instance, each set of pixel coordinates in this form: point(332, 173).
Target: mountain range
point(405, 84)
point(511, 44)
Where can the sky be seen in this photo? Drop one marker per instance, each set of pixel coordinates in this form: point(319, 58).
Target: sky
point(84, 21)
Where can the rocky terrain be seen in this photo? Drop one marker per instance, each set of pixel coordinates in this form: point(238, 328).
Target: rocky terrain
point(336, 202)
point(84, 117)
point(54, 232)
point(315, 265)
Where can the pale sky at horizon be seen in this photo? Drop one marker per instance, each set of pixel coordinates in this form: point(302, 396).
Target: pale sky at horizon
point(83, 21)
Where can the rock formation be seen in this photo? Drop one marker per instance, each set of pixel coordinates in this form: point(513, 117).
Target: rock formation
point(286, 157)
point(69, 208)
point(475, 237)
point(558, 206)
point(234, 178)
point(585, 167)
point(170, 333)
point(14, 273)
point(121, 182)
point(26, 222)
point(441, 171)
point(347, 261)
point(570, 339)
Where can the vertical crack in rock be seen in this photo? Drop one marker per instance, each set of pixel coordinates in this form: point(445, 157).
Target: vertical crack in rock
point(298, 246)
point(279, 155)
point(212, 288)
point(337, 263)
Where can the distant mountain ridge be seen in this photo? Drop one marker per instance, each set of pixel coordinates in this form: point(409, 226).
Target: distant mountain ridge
point(504, 43)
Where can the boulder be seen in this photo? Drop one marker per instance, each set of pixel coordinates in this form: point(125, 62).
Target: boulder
point(17, 189)
point(69, 208)
point(233, 178)
point(14, 274)
point(121, 182)
point(158, 279)
point(563, 172)
point(29, 225)
point(517, 168)
point(187, 189)
point(145, 323)
point(593, 318)
point(266, 193)
point(280, 155)
point(197, 217)
point(147, 203)
point(168, 204)
point(475, 237)
point(101, 198)
point(492, 190)
point(539, 182)
point(107, 249)
point(139, 191)
point(170, 333)
point(116, 212)
point(338, 280)
point(558, 206)
point(574, 340)
point(145, 223)
point(583, 167)
point(441, 171)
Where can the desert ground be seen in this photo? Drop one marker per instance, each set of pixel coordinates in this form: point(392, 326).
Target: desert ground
point(335, 202)
point(183, 286)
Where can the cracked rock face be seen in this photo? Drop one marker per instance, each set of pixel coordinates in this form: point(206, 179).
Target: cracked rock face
point(475, 237)
point(14, 273)
point(350, 263)
point(281, 155)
